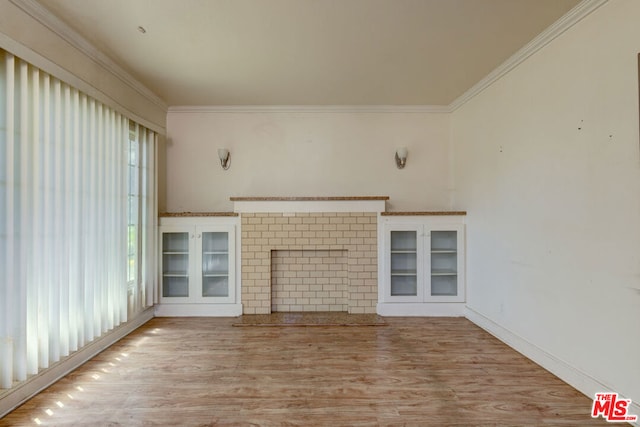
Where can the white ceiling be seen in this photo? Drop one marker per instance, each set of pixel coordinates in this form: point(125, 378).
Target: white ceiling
point(309, 52)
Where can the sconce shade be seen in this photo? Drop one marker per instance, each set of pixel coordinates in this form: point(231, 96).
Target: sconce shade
point(401, 157)
point(225, 158)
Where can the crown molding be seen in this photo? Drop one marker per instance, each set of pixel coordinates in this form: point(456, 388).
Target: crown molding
point(41, 14)
point(575, 15)
point(221, 109)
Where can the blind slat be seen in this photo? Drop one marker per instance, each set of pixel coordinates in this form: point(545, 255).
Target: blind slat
point(8, 249)
point(46, 294)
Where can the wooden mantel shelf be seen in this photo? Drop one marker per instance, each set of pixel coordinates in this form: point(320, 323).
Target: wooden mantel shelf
point(189, 214)
point(307, 199)
point(424, 213)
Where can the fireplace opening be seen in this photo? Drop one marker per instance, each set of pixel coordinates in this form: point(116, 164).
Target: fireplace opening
point(309, 280)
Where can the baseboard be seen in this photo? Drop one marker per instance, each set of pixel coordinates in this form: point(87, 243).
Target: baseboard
point(198, 310)
point(579, 380)
point(400, 309)
point(635, 410)
point(12, 398)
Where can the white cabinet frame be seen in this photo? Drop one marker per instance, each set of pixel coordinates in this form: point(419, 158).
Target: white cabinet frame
point(202, 299)
point(440, 269)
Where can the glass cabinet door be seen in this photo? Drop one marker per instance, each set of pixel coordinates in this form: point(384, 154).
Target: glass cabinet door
point(444, 263)
point(404, 263)
point(215, 264)
point(175, 264)
point(422, 264)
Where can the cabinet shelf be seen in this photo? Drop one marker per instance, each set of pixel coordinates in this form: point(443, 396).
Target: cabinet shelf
point(175, 253)
point(221, 274)
point(175, 274)
point(215, 253)
point(444, 273)
point(404, 272)
point(443, 251)
point(404, 294)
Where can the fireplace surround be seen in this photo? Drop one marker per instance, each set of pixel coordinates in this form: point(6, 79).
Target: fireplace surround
point(338, 225)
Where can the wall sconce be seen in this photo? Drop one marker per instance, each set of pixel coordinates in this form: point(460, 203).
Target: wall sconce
point(401, 157)
point(225, 158)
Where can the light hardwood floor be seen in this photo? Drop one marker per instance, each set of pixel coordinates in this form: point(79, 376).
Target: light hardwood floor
point(203, 371)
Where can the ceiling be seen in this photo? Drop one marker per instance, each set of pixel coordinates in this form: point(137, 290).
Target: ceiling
point(309, 52)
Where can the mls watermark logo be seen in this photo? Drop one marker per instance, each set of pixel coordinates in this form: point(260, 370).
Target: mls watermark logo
point(611, 408)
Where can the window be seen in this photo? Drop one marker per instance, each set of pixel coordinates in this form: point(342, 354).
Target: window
point(77, 219)
point(133, 207)
point(141, 214)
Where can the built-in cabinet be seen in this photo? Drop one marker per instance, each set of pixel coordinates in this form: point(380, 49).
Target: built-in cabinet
point(198, 264)
point(421, 265)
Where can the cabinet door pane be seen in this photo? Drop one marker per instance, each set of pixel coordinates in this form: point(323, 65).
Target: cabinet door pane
point(175, 242)
point(215, 286)
point(444, 263)
point(444, 240)
point(215, 242)
point(215, 264)
point(404, 263)
point(444, 285)
point(404, 285)
point(175, 264)
point(175, 286)
point(404, 241)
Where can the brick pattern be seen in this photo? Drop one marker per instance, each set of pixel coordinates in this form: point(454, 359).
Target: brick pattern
point(352, 232)
point(309, 281)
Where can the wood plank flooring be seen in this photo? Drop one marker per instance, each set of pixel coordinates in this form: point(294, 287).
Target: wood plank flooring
point(205, 372)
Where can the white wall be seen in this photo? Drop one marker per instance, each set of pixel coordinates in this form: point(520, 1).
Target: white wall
point(304, 153)
point(547, 163)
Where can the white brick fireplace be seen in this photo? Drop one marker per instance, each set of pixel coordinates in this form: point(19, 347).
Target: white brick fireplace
point(322, 253)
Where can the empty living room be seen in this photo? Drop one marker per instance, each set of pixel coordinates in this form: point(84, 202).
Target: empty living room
point(319, 212)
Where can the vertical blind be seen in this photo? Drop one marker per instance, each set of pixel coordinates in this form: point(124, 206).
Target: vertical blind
point(64, 207)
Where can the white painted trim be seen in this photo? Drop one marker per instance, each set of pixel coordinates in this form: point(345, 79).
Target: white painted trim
point(311, 206)
point(17, 395)
point(222, 109)
point(381, 260)
point(571, 18)
point(635, 410)
point(576, 378)
point(198, 310)
point(417, 309)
